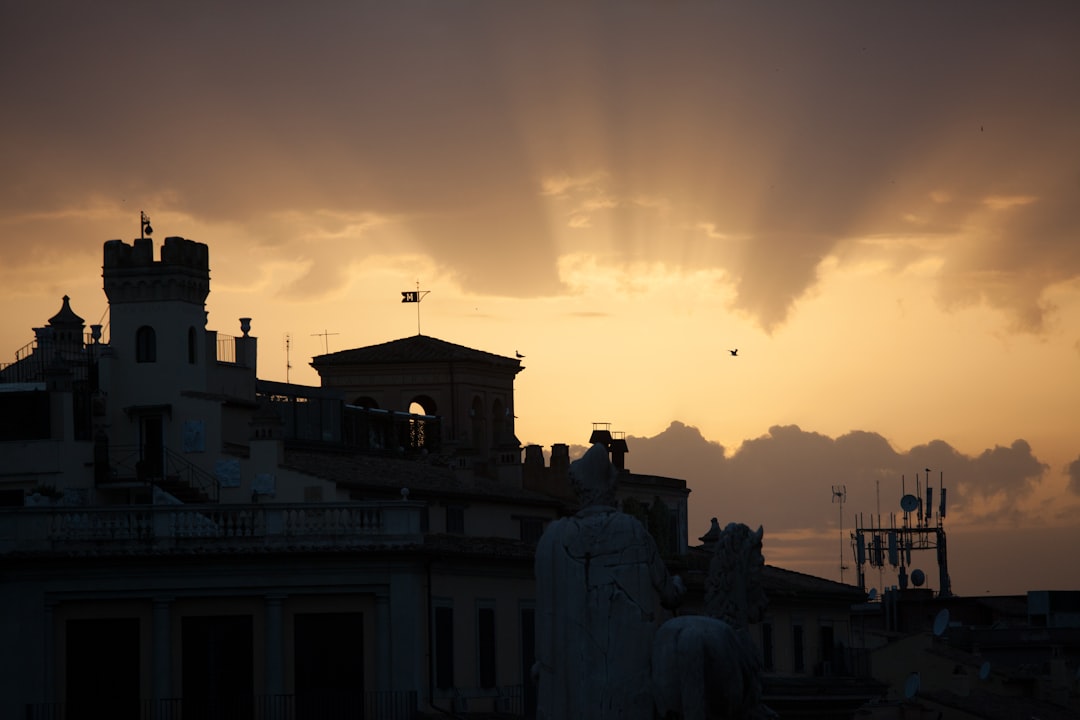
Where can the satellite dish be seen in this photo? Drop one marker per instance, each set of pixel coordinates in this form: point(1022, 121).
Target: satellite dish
point(984, 670)
point(872, 595)
point(918, 577)
point(911, 687)
point(909, 503)
point(941, 622)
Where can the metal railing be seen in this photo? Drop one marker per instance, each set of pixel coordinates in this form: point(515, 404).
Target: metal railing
point(129, 463)
point(343, 705)
point(208, 528)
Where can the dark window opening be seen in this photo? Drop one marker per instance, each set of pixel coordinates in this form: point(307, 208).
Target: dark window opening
point(329, 662)
point(531, 529)
point(103, 668)
point(798, 663)
point(145, 345)
point(485, 650)
point(828, 649)
point(455, 519)
point(444, 648)
point(192, 353)
point(217, 667)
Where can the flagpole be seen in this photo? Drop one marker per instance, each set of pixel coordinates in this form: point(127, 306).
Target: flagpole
point(416, 296)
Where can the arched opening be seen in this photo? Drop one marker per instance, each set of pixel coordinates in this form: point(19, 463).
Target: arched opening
point(423, 426)
point(145, 345)
point(367, 402)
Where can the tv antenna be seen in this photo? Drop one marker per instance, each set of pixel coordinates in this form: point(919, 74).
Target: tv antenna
point(326, 339)
point(839, 496)
point(288, 363)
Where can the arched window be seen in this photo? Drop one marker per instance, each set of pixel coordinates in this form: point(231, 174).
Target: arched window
point(145, 345)
point(192, 354)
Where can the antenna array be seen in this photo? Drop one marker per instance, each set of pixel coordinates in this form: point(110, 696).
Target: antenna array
point(892, 544)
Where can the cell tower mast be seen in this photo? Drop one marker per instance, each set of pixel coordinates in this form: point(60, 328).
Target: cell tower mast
point(839, 496)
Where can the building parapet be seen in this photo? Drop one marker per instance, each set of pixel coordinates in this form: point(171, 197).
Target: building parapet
point(150, 529)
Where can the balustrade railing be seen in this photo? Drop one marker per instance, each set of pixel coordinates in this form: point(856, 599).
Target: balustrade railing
point(208, 527)
point(343, 705)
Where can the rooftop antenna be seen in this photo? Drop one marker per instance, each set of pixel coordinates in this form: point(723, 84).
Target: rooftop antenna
point(839, 495)
point(415, 296)
point(288, 363)
point(326, 339)
point(144, 225)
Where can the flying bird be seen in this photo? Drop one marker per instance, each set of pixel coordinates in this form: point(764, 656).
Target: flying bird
point(734, 352)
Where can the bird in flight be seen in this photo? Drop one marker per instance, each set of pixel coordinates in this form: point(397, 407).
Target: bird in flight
point(734, 352)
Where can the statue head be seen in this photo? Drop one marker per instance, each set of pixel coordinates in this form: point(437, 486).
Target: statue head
point(593, 477)
point(734, 589)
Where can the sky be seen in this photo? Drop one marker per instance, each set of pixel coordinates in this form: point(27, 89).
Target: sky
point(877, 204)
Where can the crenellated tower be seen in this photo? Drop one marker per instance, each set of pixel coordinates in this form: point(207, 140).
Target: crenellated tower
point(157, 311)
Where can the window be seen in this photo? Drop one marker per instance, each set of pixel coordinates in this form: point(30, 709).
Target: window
point(145, 345)
point(455, 519)
point(827, 644)
point(444, 647)
point(192, 353)
point(103, 670)
point(797, 661)
point(485, 647)
point(328, 665)
point(531, 529)
point(767, 645)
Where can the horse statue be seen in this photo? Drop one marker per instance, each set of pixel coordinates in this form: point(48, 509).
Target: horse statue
point(707, 667)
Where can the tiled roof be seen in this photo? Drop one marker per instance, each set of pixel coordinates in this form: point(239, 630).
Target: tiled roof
point(779, 581)
point(415, 349)
point(789, 582)
point(379, 474)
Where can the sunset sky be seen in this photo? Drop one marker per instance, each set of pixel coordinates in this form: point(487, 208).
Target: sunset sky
point(877, 203)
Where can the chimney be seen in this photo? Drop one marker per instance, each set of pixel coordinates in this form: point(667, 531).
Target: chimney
point(532, 471)
point(618, 451)
point(560, 460)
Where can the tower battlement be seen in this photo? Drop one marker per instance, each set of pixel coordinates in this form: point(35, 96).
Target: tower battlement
point(132, 275)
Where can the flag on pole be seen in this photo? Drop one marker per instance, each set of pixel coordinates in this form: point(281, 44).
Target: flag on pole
point(410, 296)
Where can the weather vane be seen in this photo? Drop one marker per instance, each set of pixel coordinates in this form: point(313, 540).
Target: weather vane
point(415, 296)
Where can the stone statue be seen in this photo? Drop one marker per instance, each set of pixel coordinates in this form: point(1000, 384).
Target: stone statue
point(600, 585)
point(707, 667)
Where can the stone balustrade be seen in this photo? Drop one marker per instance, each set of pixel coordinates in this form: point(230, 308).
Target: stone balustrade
point(131, 529)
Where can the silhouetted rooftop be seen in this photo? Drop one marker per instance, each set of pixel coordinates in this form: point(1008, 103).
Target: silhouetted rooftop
point(387, 475)
point(415, 349)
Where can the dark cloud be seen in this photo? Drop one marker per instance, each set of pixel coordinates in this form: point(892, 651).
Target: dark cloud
point(1073, 471)
point(792, 130)
point(783, 479)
